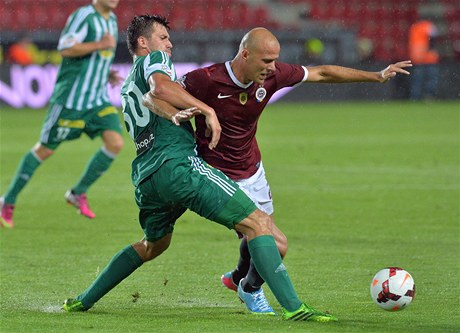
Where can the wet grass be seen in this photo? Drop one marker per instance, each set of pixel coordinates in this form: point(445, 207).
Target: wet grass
point(357, 187)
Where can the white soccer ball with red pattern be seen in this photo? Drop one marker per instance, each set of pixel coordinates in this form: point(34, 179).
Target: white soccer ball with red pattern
point(393, 289)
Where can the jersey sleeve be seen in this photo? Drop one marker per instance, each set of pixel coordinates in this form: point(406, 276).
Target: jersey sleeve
point(75, 30)
point(158, 62)
point(196, 83)
point(290, 75)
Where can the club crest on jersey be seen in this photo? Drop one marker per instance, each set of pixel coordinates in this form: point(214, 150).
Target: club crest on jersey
point(166, 69)
point(243, 98)
point(260, 94)
point(106, 53)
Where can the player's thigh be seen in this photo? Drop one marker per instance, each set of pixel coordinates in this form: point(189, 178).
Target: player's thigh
point(157, 217)
point(101, 119)
point(60, 124)
point(204, 190)
point(257, 188)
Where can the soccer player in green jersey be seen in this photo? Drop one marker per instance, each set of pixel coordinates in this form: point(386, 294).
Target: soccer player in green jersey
point(79, 104)
point(170, 177)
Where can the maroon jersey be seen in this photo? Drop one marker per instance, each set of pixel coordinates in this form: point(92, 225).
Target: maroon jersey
point(238, 107)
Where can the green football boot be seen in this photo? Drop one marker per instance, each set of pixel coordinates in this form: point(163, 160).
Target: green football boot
point(72, 305)
point(305, 313)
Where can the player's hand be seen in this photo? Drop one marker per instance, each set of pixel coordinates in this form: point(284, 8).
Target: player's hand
point(114, 78)
point(393, 69)
point(107, 42)
point(212, 128)
point(184, 115)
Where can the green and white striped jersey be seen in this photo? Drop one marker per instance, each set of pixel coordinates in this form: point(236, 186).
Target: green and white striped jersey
point(156, 139)
point(81, 82)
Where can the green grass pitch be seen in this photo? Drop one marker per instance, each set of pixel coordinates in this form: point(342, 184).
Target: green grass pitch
point(357, 187)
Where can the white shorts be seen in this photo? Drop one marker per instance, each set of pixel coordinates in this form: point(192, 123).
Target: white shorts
point(257, 189)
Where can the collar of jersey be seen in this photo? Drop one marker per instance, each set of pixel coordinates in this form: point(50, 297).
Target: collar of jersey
point(234, 79)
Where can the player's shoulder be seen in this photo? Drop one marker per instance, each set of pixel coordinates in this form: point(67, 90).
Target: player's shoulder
point(79, 17)
point(84, 11)
point(285, 70)
point(217, 68)
point(159, 56)
point(139, 61)
point(89, 10)
point(158, 61)
point(216, 72)
point(280, 65)
point(209, 70)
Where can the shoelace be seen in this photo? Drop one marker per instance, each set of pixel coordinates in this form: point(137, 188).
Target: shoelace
point(261, 301)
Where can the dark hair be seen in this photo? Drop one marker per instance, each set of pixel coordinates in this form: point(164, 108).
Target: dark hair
point(142, 25)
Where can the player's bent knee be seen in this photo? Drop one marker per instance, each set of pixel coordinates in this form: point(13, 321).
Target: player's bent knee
point(256, 224)
point(282, 245)
point(119, 144)
point(265, 224)
point(113, 141)
point(115, 146)
point(150, 250)
point(42, 152)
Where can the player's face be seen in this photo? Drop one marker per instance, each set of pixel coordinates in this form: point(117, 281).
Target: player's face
point(261, 62)
point(159, 40)
point(108, 4)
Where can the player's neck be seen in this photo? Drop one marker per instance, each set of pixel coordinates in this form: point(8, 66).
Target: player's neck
point(102, 10)
point(235, 65)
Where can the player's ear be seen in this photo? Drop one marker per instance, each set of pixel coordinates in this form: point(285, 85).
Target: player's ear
point(142, 42)
point(245, 54)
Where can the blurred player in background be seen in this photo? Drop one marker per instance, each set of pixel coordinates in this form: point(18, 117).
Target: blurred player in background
point(21, 52)
point(425, 57)
point(239, 90)
point(79, 104)
point(170, 177)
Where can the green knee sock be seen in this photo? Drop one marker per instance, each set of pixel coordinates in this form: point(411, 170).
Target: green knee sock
point(100, 162)
point(269, 264)
point(24, 172)
point(119, 268)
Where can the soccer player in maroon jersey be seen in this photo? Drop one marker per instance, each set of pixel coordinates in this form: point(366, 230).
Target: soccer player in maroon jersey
point(239, 90)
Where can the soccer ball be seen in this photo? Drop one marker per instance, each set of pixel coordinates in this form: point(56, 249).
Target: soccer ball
point(392, 289)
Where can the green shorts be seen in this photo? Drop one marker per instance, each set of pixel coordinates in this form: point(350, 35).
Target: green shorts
point(189, 183)
point(63, 124)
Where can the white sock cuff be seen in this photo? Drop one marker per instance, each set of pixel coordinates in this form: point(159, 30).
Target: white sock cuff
point(34, 154)
point(108, 153)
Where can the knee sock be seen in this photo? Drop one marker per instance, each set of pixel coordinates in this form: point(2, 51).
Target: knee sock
point(269, 264)
point(100, 162)
point(119, 268)
point(253, 281)
point(26, 168)
point(243, 263)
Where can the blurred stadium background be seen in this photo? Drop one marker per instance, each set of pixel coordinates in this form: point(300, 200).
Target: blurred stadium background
point(357, 33)
point(385, 181)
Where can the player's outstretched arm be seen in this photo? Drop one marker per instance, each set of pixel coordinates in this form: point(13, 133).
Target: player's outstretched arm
point(339, 74)
point(394, 69)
